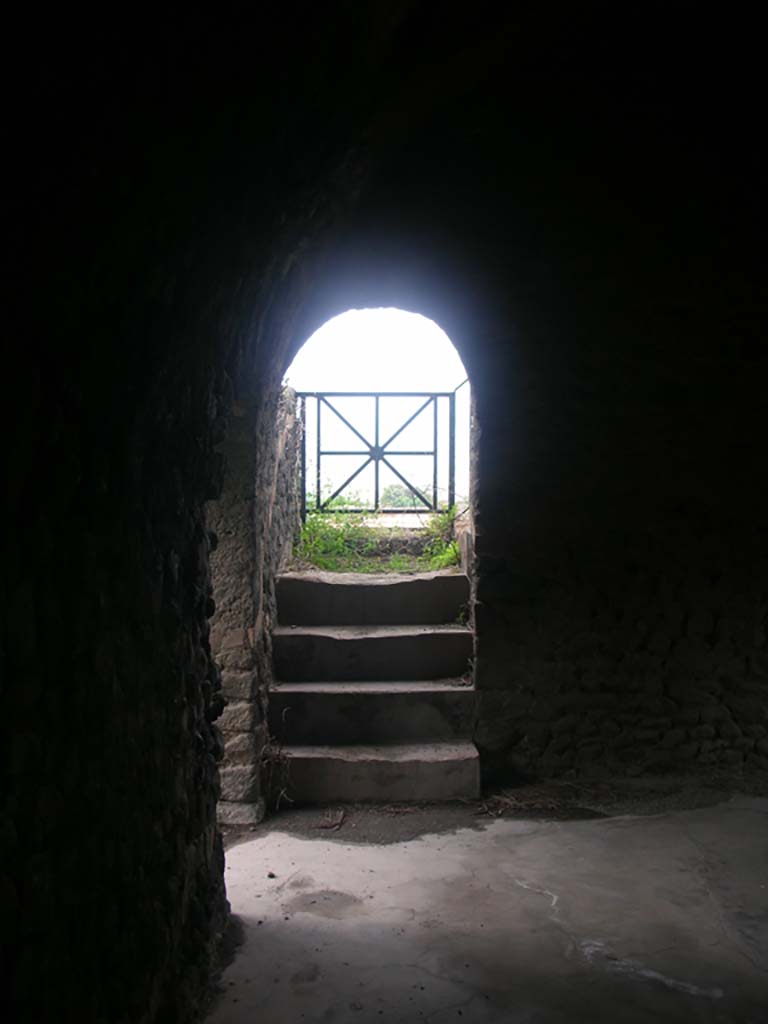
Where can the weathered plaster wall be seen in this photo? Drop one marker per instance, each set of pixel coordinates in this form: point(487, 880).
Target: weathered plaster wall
point(255, 521)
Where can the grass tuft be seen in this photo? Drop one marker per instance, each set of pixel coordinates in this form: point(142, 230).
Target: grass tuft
point(346, 542)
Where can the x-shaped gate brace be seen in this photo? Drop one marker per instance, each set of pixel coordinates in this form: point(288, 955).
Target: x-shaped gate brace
point(377, 452)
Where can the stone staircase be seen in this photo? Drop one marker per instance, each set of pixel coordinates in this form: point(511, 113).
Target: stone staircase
point(374, 699)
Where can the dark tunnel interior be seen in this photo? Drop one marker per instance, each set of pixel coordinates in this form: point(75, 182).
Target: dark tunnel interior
point(574, 193)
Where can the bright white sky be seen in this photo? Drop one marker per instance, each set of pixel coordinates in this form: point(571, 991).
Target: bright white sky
point(377, 350)
point(382, 350)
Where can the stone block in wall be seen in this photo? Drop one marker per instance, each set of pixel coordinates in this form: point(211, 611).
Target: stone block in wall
point(710, 746)
point(497, 649)
point(609, 728)
point(661, 706)
point(628, 753)
point(748, 708)
point(560, 743)
point(238, 657)
point(238, 685)
point(647, 735)
point(687, 716)
point(659, 642)
point(499, 713)
point(687, 662)
point(728, 730)
point(244, 748)
point(240, 783)
point(729, 664)
point(659, 761)
point(659, 724)
point(732, 757)
point(590, 751)
point(673, 738)
point(566, 724)
point(586, 727)
point(555, 764)
point(744, 743)
point(713, 713)
point(543, 711)
point(240, 716)
point(538, 735)
point(686, 751)
point(704, 732)
point(238, 813)
point(623, 738)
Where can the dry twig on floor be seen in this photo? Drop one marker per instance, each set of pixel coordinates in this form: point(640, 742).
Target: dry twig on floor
point(545, 797)
point(331, 823)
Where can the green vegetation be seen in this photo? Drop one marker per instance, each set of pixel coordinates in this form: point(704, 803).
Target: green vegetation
point(442, 549)
point(337, 541)
point(347, 542)
point(400, 496)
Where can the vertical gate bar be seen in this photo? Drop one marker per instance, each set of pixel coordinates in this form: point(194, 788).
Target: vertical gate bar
point(303, 414)
point(452, 450)
point(376, 461)
point(434, 453)
point(317, 480)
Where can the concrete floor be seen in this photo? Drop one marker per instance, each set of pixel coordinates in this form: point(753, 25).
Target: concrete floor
point(625, 919)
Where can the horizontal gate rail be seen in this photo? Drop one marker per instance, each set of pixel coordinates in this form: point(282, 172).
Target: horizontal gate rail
point(378, 453)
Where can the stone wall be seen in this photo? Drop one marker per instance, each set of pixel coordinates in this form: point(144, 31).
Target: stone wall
point(619, 520)
point(160, 254)
point(658, 666)
point(619, 528)
point(110, 847)
point(255, 521)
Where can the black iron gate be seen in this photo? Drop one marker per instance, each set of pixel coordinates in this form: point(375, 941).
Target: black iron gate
point(380, 453)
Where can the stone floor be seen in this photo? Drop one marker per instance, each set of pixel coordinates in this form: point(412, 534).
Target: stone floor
point(620, 919)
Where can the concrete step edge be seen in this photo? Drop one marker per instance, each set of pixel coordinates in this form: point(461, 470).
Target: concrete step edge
point(345, 579)
point(373, 632)
point(374, 687)
point(388, 753)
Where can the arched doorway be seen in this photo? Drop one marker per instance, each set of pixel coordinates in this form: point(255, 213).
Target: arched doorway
point(386, 410)
point(373, 695)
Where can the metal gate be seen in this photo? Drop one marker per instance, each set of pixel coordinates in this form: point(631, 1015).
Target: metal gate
point(380, 452)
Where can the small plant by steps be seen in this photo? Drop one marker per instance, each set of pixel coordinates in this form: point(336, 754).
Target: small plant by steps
point(442, 549)
point(347, 542)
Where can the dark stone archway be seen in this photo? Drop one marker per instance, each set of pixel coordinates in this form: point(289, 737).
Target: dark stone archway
point(575, 201)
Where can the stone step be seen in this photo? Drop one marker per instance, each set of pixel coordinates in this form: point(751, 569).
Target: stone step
point(376, 653)
point(365, 712)
point(348, 599)
point(387, 772)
